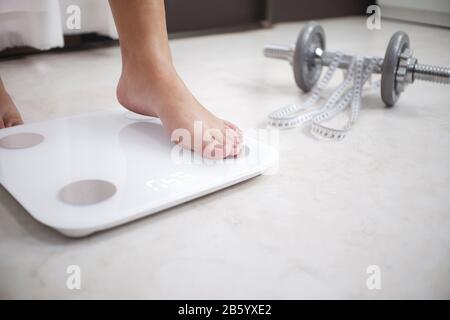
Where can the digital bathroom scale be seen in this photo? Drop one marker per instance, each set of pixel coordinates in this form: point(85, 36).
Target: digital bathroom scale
point(88, 173)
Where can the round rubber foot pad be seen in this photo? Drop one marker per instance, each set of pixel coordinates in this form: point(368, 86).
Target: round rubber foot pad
point(21, 140)
point(87, 192)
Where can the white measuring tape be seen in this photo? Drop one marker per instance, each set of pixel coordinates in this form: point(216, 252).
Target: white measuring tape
point(347, 93)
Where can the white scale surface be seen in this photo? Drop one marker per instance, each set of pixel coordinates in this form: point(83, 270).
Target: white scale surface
point(132, 154)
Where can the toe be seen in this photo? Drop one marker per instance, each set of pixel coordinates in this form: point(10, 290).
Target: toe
point(232, 142)
point(235, 139)
point(237, 150)
point(233, 127)
point(213, 143)
point(239, 133)
point(214, 151)
point(219, 153)
point(12, 120)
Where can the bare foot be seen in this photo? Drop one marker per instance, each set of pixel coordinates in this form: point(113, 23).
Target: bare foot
point(159, 92)
point(9, 115)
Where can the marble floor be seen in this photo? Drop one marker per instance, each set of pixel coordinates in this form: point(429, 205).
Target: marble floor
point(380, 197)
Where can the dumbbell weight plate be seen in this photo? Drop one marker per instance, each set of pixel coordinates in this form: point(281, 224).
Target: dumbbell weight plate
point(398, 43)
point(306, 70)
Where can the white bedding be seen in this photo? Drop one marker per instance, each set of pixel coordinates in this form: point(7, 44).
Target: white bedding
point(41, 24)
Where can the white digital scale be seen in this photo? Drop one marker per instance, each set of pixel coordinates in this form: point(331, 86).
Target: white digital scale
point(92, 172)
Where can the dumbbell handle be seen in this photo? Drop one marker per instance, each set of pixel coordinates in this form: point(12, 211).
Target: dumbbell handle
point(325, 58)
point(321, 57)
point(281, 52)
point(422, 72)
point(437, 74)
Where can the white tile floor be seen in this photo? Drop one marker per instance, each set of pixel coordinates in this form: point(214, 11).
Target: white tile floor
point(380, 197)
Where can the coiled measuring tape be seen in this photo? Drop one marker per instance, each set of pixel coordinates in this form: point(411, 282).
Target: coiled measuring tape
point(347, 93)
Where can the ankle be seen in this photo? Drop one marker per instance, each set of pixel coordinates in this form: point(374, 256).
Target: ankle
point(146, 55)
point(149, 70)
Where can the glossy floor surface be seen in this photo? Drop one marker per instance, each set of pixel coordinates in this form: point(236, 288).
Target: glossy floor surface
point(380, 197)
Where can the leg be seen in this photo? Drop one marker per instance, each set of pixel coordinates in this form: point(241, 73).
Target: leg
point(149, 83)
point(9, 116)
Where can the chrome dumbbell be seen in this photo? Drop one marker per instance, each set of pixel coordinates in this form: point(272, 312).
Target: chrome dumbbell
point(398, 68)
